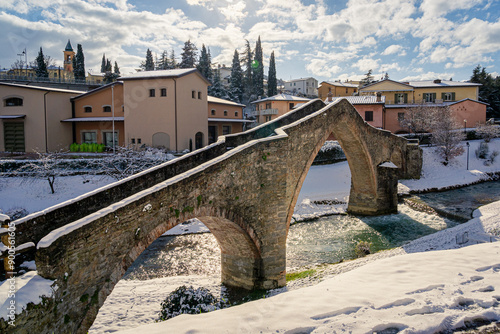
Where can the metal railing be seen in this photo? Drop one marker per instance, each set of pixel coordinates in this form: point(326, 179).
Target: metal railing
point(263, 112)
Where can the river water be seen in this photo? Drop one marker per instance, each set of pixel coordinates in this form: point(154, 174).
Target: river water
point(325, 240)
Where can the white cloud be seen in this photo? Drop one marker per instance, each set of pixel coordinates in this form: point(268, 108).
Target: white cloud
point(234, 12)
point(443, 7)
point(394, 49)
point(367, 64)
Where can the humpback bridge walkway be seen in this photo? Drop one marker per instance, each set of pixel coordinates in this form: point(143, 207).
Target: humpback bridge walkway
point(243, 188)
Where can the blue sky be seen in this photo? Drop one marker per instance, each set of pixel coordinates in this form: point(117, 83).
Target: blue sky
point(327, 40)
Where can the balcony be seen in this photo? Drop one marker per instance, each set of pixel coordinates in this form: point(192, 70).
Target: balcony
point(263, 112)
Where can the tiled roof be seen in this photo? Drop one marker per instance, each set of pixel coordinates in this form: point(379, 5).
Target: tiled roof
point(341, 84)
point(283, 97)
point(214, 99)
point(441, 83)
point(359, 99)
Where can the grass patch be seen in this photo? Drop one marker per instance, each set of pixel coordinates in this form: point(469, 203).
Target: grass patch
point(300, 274)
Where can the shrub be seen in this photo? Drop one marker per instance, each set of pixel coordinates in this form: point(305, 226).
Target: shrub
point(482, 151)
point(363, 248)
point(188, 300)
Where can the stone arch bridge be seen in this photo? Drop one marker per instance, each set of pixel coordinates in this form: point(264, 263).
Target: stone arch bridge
point(243, 188)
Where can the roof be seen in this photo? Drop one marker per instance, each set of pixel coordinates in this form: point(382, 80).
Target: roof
point(94, 119)
point(11, 116)
point(283, 97)
point(359, 99)
point(442, 104)
point(175, 73)
point(46, 89)
point(213, 99)
point(230, 120)
point(68, 46)
point(301, 79)
point(442, 83)
point(97, 90)
point(340, 84)
point(364, 88)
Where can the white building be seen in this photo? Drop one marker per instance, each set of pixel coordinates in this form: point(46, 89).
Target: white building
point(303, 86)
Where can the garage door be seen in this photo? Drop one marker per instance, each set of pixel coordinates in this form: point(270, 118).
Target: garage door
point(14, 137)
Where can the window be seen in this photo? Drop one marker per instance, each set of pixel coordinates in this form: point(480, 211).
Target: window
point(106, 108)
point(268, 118)
point(108, 138)
point(448, 96)
point(291, 106)
point(163, 92)
point(89, 137)
point(152, 92)
point(13, 102)
point(226, 129)
point(369, 116)
point(401, 98)
point(401, 116)
point(193, 94)
point(133, 140)
point(139, 140)
point(268, 105)
point(199, 95)
point(212, 112)
point(347, 90)
point(236, 114)
point(225, 112)
point(429, 97)
point(87, 109)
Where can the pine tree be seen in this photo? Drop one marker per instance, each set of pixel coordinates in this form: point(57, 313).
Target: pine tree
point(247, 75)
point(489, 92)
point(148, 64)
point(188, 55)
point(217, 88)
point(79, 69)
point(41, 66)
point(172, 63)
point(272, 83)
point(204, 64)
point(162, 63)
point(103, 63)
point(236, 80)
point(386, 76)
point(117, 69)
point(258, 70)
point(368, 79)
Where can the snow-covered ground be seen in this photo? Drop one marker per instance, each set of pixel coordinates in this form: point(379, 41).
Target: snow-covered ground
point(431, 284)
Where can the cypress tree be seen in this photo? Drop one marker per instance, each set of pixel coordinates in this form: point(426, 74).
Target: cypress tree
point(117, 69)
point(236, 80)
point(188, 55)
point(41, 66)
point(79, 69)
point(272, 83)
point(247, 75)
point(103, 63)
point(258, 70)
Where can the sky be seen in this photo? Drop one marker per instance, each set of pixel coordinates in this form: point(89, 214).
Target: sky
point(327, 39)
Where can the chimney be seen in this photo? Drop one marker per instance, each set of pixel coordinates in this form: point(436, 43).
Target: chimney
point(437, 81)
point(379, 97)
point(330, 94)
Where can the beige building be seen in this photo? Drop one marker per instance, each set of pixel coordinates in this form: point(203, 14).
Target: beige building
point(96, 114)
point(337, 88)
point(461, 97)
point(265, 110)
point(224, 117)
point(303, 87)
point(31, 118)
point(166, 108)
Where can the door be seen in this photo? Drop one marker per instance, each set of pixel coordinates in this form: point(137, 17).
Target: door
point(14, 137)
point(108, 139)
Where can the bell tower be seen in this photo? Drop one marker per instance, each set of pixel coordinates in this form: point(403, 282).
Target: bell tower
point(68, 57)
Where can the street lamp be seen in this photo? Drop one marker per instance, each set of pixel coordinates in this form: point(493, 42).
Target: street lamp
point(465, 126)
point(467, 155)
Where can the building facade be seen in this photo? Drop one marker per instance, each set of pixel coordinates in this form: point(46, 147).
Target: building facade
point(270, 108)
point(31, 118)
point(337, 88)
point(224, 117)
point(307, 87)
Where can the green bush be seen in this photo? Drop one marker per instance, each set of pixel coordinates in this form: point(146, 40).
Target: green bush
point(74, 147)
point(188, 300)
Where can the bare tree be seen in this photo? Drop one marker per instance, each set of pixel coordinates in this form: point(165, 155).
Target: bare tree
point(446, 134)
point(488, 131)
point(418, 119)
point(47, 166)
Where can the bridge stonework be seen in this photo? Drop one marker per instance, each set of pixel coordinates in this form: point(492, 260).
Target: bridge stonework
point(245, 196)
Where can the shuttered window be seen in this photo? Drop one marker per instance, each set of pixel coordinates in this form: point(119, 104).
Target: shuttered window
point(14, 137)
